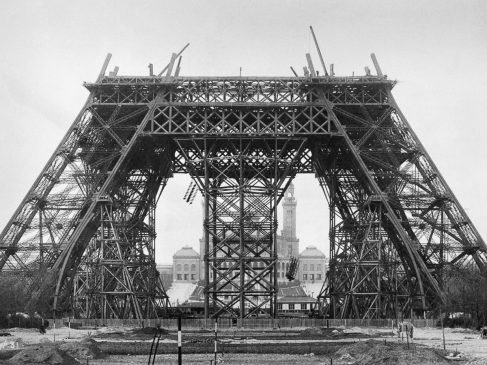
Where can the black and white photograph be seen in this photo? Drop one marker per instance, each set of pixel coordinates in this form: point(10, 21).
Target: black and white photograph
point(243, 182)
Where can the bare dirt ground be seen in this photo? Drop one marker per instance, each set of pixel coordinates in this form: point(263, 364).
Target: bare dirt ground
point(287, 346)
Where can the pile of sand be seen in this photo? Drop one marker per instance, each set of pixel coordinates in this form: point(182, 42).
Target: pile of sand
point(42, 354)
point(82, 349)
point(377, 352)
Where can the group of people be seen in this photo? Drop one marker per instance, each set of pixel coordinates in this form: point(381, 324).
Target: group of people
point(405, 327)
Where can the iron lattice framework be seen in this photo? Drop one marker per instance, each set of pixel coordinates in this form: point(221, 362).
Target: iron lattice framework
point(242, 181)
point(87, 223)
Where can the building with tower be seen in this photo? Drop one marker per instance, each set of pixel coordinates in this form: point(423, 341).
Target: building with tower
point(287, 242)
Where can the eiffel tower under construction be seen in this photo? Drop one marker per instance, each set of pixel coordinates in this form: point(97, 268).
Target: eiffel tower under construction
point(84, 234)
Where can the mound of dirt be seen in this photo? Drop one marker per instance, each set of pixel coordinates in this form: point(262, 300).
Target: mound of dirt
point(148, 331)
point(357, 348)
point(82, 349)
point(42, 355)
point(376, 352)
point(312, 331)
point(332, 333)
point(133, 334)
point(111, 335)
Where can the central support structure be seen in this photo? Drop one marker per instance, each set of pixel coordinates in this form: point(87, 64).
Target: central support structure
point(242, 181)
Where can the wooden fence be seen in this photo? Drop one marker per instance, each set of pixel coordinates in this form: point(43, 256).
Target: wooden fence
point(251, 323)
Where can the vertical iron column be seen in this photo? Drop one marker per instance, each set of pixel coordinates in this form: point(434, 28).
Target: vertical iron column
point(242, 249)
point(206, 224)
point(242, 181)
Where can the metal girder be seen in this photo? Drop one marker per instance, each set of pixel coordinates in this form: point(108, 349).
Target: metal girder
point(117, 277)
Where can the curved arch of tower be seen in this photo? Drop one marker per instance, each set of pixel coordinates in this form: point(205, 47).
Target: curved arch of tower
point(84, 233)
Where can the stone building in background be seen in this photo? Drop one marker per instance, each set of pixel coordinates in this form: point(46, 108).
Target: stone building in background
point(312, 265)
point(186, 265)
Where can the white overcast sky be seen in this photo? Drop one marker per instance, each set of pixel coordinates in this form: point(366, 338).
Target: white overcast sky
point(436, 49)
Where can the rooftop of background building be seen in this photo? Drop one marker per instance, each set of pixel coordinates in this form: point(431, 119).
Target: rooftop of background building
point(186, 251)
point(312, 251)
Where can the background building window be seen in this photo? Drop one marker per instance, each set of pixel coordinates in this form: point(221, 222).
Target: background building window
point(305, 276)
point(291, 306)
point(279, 306)
point(193, 267)
point(186, 267)
point(193, 277)
point(178, 267)
point(305, 267)
point(180, 277)
point(311, 276)
point(318, 276)
point(312, 267)
point(304, 306)
point(318, 268)
point(185, 276)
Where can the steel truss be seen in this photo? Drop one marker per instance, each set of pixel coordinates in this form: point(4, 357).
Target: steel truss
point(395, 224)
point(242, 181)
point(380, 159)
point(117, 277)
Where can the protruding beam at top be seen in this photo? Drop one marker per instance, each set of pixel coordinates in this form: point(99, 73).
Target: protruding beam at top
point(169, 64)
point(114, 72)
point(376, 65)
point(104, 67)
point(310, 65)
point(294, 72)
point(319, 51)
point(178, 67)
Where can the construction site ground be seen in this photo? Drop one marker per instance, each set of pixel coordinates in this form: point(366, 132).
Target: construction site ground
point(302, 346)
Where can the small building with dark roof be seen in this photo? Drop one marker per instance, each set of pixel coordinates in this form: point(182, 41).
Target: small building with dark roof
point(291, 298)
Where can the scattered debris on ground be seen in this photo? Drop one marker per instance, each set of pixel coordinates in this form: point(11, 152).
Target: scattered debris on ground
point(377, 352)
point(318, 345)
point(336, 333)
